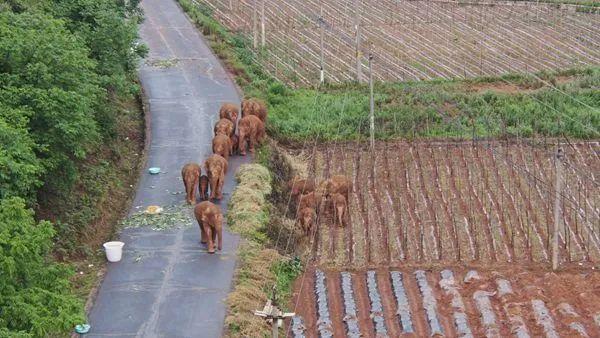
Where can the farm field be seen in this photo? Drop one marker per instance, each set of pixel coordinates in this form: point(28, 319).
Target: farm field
point(457, 202)
point(446, 301)
point(414, 40)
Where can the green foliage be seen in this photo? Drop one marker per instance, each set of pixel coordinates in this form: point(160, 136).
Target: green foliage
point(286, 271)
point(34, 291)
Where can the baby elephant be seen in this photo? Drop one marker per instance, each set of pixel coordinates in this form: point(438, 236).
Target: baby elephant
point(210, 220)
point(234, 144)
point(299, 186)
point(204, 187)
point(190, 173)
point(221, 144)
point(251, 130)
point(225, 127)
point(337, 184)
point(216, 167)
point(307, 218)
point(229, 111)
point(311, 200)
point(340, 206)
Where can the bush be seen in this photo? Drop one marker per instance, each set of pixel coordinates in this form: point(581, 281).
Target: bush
point(34, 292)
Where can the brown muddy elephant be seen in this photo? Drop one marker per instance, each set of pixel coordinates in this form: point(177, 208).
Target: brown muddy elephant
point(311, 200)
point(210, 220)
point(190, 173)
point(254, 107)
point(204, 187)
point(336, 184)
point(221, 144)
point(299, 186)
point(229, 111)
point(235, 141)
point(225, 127)
point(250, 130)
point(216, 167)
point(307, 218)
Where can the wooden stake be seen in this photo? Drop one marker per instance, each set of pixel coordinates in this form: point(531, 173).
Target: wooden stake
point(557, 211)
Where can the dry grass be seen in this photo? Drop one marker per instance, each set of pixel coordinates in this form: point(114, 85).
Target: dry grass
point(249, 213)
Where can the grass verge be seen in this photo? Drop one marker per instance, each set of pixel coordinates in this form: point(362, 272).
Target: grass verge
point(260, 267)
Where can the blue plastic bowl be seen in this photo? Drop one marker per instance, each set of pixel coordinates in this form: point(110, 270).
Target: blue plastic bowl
point(154, 170)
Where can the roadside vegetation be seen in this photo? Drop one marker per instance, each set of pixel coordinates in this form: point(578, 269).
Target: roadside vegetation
point(261, 268)
point(71, 140)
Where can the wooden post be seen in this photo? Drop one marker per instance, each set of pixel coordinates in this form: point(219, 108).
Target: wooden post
point(321, 33)
point(372, 103)
point(357, 41)
point(262, 23)
point(557, 211)
point(254, 25)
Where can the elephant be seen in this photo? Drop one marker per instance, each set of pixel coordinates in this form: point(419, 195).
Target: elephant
point(210, 220)
point(254, 107)
point(311, 200)
point(251, 130)
point(340, 206)
point(229, 111)
point(235, 140)
point(190, 173)
point(216, 167)
point(221, 144)
point(307, 218)
point(299, 186)
point(336, 184)
point(225, 127)
point(204, 187)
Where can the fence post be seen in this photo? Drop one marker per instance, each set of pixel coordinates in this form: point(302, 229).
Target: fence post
point(372, 102)
point(357, 42)
point(262, 23)
point(254, 25)
point(321, 33)
point(557, 191)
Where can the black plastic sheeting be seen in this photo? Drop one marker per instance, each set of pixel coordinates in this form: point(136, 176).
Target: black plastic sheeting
point(349, 306)
point(298, 327)
point(324, 323)
point(376, 306)
point(429, 304)
point(448, 284)
point(402, 301)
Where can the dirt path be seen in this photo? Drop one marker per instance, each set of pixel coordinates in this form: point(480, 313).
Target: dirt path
point(161, 287)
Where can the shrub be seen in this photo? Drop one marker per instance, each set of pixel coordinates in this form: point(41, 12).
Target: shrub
point(34, 292)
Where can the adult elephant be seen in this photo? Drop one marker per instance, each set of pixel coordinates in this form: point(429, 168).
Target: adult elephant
point(221, 144)
point(229, 111)
point(210, 220)
point(250, 130)
point(254, 107)
point(225, 127)
point(190, 173)
point(216, 167)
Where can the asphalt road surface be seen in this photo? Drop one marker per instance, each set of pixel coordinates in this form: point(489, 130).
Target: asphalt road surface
point(176, 289)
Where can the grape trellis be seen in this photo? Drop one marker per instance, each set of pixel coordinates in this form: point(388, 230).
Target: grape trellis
point(414, 40)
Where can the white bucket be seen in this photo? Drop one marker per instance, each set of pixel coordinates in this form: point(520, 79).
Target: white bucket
point(114, 250)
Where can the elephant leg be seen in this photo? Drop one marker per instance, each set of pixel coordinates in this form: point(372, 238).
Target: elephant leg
point(202, 234)
point(221, 181)
point(242, 144)
point(188, 196)
point(252, 143)
point(213, 187)
point(209, 238)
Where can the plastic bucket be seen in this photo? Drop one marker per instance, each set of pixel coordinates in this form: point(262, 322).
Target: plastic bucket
point(114, 250)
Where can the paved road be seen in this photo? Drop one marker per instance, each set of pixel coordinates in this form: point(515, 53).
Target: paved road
point(176, 289)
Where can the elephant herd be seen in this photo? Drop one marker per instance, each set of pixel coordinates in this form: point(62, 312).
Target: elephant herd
point(227, 141)
point(311, 199)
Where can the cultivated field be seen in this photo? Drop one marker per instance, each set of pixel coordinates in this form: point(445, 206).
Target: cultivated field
point(414, 40)
point(451, 302)
point(458, 202)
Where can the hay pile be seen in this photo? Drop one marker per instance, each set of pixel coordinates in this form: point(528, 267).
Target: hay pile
point(248, 211)
point(248, 215)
